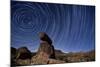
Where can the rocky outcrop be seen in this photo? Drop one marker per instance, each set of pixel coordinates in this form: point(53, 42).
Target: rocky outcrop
point(47, 54)
point(45, 38)
point(45, 51)
point(23, 56)
point(46, 45)
point(44, 55)
point(23, 53)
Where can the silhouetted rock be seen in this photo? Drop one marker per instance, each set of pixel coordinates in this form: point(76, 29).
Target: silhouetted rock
point(45, 38)
point(33, 53)
point(23, 53)
point(46, 45)
point(13, 56)
point(13, 52)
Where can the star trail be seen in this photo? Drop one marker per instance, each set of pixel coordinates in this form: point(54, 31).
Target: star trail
point(71, 27)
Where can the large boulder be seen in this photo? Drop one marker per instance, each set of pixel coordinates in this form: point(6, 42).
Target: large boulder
point(23, 53)
point(45, 51)
point(46, 45)
point(45, 38)
point(44, 55)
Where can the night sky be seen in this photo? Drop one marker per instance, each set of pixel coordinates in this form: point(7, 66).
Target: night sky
point(71, 27)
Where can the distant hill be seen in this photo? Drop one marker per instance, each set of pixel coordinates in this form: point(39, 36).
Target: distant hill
point(77, 56)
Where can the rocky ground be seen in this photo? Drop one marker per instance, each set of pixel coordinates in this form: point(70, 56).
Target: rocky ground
point(47, 54)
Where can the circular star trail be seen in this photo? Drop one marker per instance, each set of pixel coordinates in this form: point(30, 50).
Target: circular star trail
point(31, 18)
point(67, 25)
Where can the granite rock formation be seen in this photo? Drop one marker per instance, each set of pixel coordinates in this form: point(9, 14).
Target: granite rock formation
point(47, 54)
point(23, 56)
point(46, 45)
point(23, 53)
point(46, 51)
